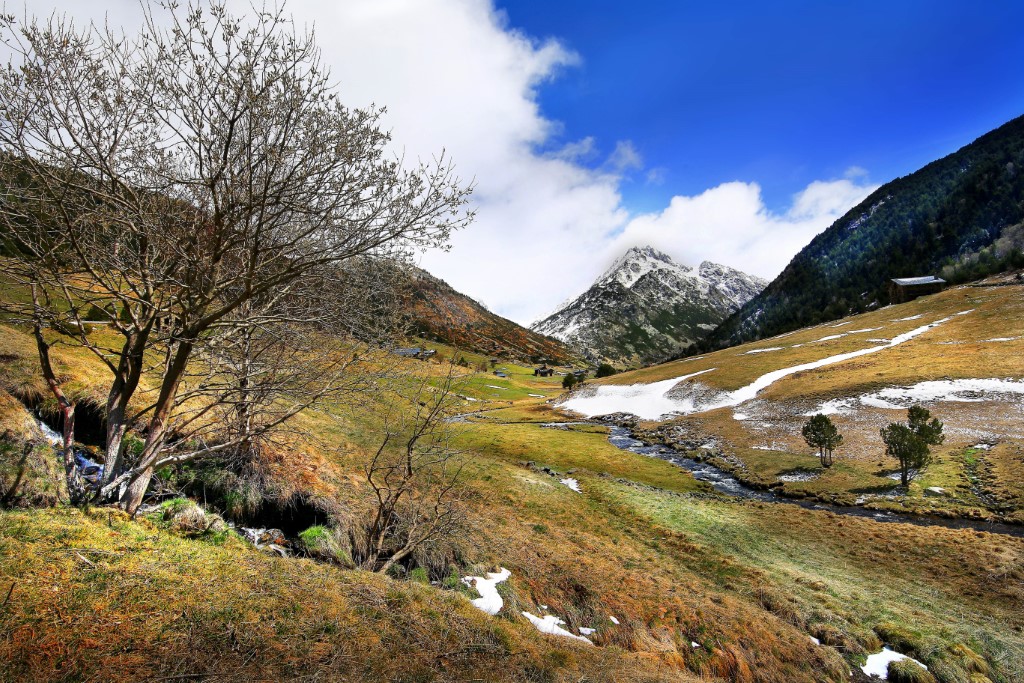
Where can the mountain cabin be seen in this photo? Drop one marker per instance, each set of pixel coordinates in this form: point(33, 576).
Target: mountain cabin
point(904, 289)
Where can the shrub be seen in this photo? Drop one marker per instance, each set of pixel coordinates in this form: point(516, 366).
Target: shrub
point(605, 370)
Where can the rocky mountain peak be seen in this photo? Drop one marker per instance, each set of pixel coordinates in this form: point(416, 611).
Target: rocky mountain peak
point(646, 306)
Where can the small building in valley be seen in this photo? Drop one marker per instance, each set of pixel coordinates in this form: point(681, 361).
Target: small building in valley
point(904, 289)
point(543, 371)
point(417, 352)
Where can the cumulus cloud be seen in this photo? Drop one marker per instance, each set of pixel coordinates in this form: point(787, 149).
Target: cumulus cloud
point(456, 78)
point(730, 224)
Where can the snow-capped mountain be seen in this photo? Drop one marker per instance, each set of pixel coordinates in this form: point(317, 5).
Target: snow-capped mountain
point(647, 306)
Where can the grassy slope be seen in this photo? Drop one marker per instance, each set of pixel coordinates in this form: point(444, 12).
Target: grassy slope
point(642, 543)
point(99, 597)
point(770, 445)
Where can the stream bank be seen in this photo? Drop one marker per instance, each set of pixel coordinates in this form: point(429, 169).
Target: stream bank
point(726, 483)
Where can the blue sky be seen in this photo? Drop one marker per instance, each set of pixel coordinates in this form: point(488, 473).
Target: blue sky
point(781, 93)
point(730, 132)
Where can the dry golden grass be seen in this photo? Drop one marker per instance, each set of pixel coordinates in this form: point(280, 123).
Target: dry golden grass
point(103, 598)
point(642, 542)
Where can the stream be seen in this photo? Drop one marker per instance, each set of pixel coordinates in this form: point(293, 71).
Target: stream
point(723, 482)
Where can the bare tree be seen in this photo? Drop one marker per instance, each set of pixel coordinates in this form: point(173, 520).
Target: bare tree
point(414, 477)
point(166, 181)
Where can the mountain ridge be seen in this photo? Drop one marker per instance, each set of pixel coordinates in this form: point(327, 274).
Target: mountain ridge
point(645, 306)
point(960, 217)
point(439, 312)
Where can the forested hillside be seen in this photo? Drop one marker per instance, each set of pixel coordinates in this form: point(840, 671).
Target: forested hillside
point(959, 217)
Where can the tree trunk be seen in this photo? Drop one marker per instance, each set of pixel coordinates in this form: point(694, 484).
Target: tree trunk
point(156, 431)
point(129, 372)
point(136, 490)
point(76, 490)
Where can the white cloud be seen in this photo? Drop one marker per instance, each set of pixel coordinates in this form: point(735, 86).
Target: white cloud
point(624, 158)
point(455, 77)
point(730, 224)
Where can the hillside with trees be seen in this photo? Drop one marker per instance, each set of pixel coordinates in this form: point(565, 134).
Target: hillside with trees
point(959, 217)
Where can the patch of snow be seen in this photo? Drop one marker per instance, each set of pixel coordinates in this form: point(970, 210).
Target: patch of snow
point(487, 586)
point(966, 312)
point(915, 317)
point(740, 416)
point(651, 401)
point(837, 406)
point(773, 348)
point(982, 446)
point(829, 337)
point(491, 386)
point(879, 341)
point(845, 323)
point(646, 401)
point(694, 644)
point(614, 620)
point(814, 640)
point(748, 392)
point(1001, 339)
point(954, 390)
point(878, 663)
point(552, 625)
point(587, 631)
point(573, 484)
point(536, 395)
point(866, 329)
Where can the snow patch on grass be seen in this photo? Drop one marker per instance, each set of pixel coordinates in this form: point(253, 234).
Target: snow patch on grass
point(646, 401)
point(652, 401)
point(878, 663)
point(487, 586)
point(552, 625)
point(772, 348)
point(951, 390)
point(573, 484)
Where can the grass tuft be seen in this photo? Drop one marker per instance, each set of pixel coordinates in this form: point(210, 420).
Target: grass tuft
point(906, 671)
